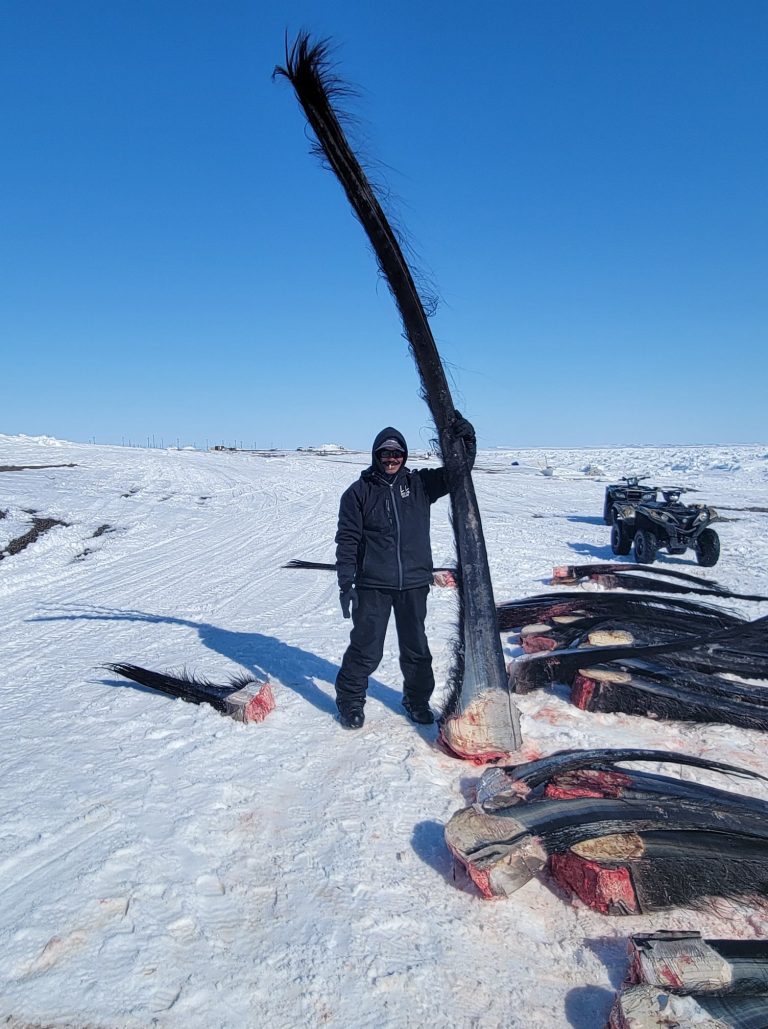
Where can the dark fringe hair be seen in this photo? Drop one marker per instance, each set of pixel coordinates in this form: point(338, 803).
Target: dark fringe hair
point(195, 689)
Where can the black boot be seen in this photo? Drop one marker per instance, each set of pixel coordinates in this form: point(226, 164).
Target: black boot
point(419, 713)
point(352, 718)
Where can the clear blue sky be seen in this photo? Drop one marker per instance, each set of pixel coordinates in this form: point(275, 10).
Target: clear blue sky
point(585, 182)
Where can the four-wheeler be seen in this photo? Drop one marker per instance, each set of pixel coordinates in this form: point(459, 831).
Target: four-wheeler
point(628, 491)
point(652, 525)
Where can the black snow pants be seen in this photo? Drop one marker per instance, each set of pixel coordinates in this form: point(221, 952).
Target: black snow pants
point(366, 646)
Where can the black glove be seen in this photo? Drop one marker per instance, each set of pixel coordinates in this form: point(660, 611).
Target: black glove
point(349, 600)
point(465, 430)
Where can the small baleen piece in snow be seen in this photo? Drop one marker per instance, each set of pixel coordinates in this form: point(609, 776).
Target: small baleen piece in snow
point(678, 978)
point(624, 841)
point(440, 577)
point(244, 698)
point(613, 575)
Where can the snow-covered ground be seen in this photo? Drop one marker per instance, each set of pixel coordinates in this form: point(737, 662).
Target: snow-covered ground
point(161, 865)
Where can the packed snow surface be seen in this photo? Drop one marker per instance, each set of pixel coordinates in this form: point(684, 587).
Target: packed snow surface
point(163, 865)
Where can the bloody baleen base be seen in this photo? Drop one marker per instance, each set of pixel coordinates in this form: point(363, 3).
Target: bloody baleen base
point(624, 841)
point(678, 978)
point(244, 698)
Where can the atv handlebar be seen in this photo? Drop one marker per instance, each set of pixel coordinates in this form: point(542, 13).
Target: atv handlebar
point(633, 480)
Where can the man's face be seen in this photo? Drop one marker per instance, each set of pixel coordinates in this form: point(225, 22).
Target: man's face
point(391, 460)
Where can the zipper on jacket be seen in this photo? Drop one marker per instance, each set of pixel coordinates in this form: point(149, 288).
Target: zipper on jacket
point(397, 526)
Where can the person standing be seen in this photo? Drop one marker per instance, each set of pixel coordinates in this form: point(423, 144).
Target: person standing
point(384, 564)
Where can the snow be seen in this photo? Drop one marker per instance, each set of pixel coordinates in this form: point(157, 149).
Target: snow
point(163, 865)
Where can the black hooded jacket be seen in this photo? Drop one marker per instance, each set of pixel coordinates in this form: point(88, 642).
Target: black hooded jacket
point(383, 535)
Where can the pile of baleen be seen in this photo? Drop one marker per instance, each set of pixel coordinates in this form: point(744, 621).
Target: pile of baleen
point(644, 654)
point(625, 841)
point(638, 653)
point(680, 979)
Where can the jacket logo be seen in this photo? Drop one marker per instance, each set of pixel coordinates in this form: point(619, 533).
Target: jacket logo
point(405, 489)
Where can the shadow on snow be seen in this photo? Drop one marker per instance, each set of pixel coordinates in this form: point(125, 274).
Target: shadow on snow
point(266, 657)
point(606, 554)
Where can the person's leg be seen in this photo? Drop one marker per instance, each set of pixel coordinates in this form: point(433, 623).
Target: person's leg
point(366, 646)
point(415, 659)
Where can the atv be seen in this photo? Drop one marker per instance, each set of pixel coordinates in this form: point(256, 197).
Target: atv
point(668, 523)
point(628, 491)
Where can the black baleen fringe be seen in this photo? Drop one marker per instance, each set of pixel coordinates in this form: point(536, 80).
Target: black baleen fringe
point(317, 565)
point(326, 566)
point(684, 866)
point(193, 688)
point(641, 578)
point(514, 613)
point(675, 680)
point(645, 628)
point(541, 770)
point(740, 650)
point(682, 695)
point(535, 671)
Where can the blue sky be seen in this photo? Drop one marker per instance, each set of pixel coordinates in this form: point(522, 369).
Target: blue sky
point(583, 183)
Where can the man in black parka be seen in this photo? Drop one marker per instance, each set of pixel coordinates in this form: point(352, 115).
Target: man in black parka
point(384, 562)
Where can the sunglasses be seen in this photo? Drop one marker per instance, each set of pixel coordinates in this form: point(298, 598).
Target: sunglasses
point(395, 455)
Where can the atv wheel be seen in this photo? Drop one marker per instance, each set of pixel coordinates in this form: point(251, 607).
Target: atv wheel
point(608, 511)
point(645, 547)
point(621, 541)
point(707, 548)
